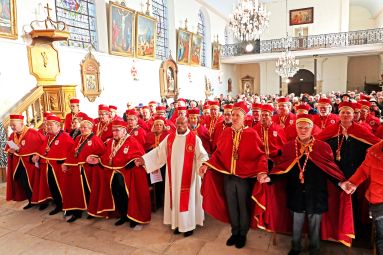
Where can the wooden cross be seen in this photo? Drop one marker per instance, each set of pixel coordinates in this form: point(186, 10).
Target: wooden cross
point(48, 9)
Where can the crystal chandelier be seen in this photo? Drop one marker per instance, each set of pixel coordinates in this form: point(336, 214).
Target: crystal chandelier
point(287, 65)
point(249, 20)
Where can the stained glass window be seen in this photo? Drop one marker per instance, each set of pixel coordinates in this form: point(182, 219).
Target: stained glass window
point(160, 11)
point(202, 32)
point(80, 17)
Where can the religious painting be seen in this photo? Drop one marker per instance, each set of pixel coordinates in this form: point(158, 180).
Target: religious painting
point(301, 16)
point(8, 19)
point(121, 30)
point(146, 35)
point(168, 78)
point(216, 50)
point(196, 48)
point(90, 77)
point(183, 46)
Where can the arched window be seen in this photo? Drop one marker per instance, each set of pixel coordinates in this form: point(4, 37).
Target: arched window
point(160, 11)
point(80, 17)
point(202, 32)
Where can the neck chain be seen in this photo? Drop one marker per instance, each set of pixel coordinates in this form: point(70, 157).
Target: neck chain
point(101, 127)
point(18, 137)
point(50, 141)
point(265, 139)
point(236, 136)
point(305, 149)
point(323, 123)
point(81, 141)
point(116, 147)
point(340, 143)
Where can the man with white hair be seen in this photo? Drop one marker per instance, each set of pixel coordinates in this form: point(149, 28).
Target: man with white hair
point(325, 118)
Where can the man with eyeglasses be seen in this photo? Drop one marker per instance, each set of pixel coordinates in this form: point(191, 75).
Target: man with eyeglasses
point(103, 129)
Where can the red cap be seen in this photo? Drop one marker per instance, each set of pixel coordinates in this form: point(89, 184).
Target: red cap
point(159, 119)
point(88, 120)
point(213, 104)
point(324, 102)
point(357, 106)
point(119, 123)
point(205, 106)
point(346, 106)
point(256, 106)
point(103, 107)
point(46, 114)
point(16, 117)
point(365, 104)
point(267, 108)
point(181, 108)
point(146, 107)
point(228, 107)
point(305, 108)
point(112, 107)
point(132, 112)
point(160, 108)
point(241, 106)
point(53, 117)
point(194, 111)
point(74, 101)
point(181, 102)
point(152, 102)
point(364, 97)
point(283, 100)
point(304, 118)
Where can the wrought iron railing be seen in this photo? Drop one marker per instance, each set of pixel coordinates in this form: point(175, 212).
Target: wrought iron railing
point(342, 39)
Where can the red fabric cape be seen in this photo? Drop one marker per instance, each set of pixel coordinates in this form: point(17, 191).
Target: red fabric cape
point(272, 214)
point(203, 134)
point(150, 140)
point(105, 134)
point(331, 119)
point(136, 184)
point(290, 120)
point(187, 170)
point(276, 138)
point(138, 133)
point(31, 144)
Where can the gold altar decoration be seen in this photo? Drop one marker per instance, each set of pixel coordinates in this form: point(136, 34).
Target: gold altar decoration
point(90, 77)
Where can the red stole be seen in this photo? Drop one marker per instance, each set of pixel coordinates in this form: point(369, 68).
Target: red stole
point(186, 171)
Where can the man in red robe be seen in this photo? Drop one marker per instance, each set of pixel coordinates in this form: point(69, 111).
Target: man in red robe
point(180, 110)
point(227, 186)
point(43, 127)
point(222, 125)
point(152, 106)
point(272, 135)
point(291, 131)
point(212, 120)
point(205, 112)
point(124, 187)
point(22, 174)
point(198, 129)
point(133, 128)
point(325, 118)
point(145, 118)
point(74, 105)
point(57, 146)
point(161, 111)
point(306, 164)
point(284, 117)
point(78, 189)
point(113, 113)
point(367, 117)
point(103, 128)
point(252, 121)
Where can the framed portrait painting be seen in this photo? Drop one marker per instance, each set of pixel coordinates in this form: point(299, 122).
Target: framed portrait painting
point(196, 48)
point(216, 50)
point(301, 16)
point(8, 19)
point(121, 30)
point(90, 77)
point(183, 46)
point(146, 35)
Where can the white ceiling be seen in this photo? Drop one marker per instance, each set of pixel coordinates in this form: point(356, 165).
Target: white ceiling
point(225, 7)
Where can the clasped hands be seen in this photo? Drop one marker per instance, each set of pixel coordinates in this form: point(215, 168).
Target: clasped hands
point(263, 178)
point(348, 187)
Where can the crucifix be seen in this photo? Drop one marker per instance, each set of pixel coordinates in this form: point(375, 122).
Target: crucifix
point(48, 9)
point(147, 8)
point(186, 24)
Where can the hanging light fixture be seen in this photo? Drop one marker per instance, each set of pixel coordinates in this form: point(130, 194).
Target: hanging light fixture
point(286, 65)
point(249, 20)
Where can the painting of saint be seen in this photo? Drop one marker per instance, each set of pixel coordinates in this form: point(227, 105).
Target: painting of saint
point(301, 16)
point(121, 30)
point(195, 54)
point(8, 27)
point(170, 80)
point(183, 46)
point(146, 37)
point(216, 56)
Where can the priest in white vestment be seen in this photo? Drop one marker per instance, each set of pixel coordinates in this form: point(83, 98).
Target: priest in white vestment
point(183, 200)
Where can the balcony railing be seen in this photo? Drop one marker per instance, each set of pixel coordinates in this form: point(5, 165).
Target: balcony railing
point(343, 39)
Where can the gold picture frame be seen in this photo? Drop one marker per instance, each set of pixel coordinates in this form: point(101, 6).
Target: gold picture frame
point(169, 78)
point(146, 36)
point(184, 38)
point(90, 77)
point(196, 50)
point(8, 19)
point(216, 56)
point(121, 30)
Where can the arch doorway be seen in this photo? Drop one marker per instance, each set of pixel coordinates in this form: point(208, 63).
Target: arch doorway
point(302, 82)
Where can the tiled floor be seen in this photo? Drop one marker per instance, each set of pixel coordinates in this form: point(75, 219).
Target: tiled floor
point(35, 232)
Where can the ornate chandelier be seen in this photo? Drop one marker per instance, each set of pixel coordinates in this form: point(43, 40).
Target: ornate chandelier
point(249, 20)
point(287, 65)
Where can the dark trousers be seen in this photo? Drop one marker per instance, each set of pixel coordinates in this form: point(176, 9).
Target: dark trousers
point(120, 196)
point(379, 235)
point(53, 187)
point(238, 199)
point(78, 213)
point(314, 227)
point(21, 176)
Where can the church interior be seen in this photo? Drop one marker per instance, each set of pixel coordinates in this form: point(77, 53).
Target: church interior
point(130, 52)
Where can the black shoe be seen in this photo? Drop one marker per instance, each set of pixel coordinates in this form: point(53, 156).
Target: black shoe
point(43, 206)
point(121, 221)
point(176, 231)
point(90, 217)
point(293, 252)
point(29, 205)
point(55, 211)
point(188, 233)
point(133, 223)
point(232, 240)
point(241, 241)
point(72, 219)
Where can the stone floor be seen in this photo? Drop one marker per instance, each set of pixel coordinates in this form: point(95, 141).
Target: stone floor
point(35, 232)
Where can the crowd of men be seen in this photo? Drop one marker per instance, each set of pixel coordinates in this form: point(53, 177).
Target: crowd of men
point(254, 162)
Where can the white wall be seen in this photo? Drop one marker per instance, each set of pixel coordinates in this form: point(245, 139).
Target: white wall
point(379, 19)
point(360, 18)
point(116, 80)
